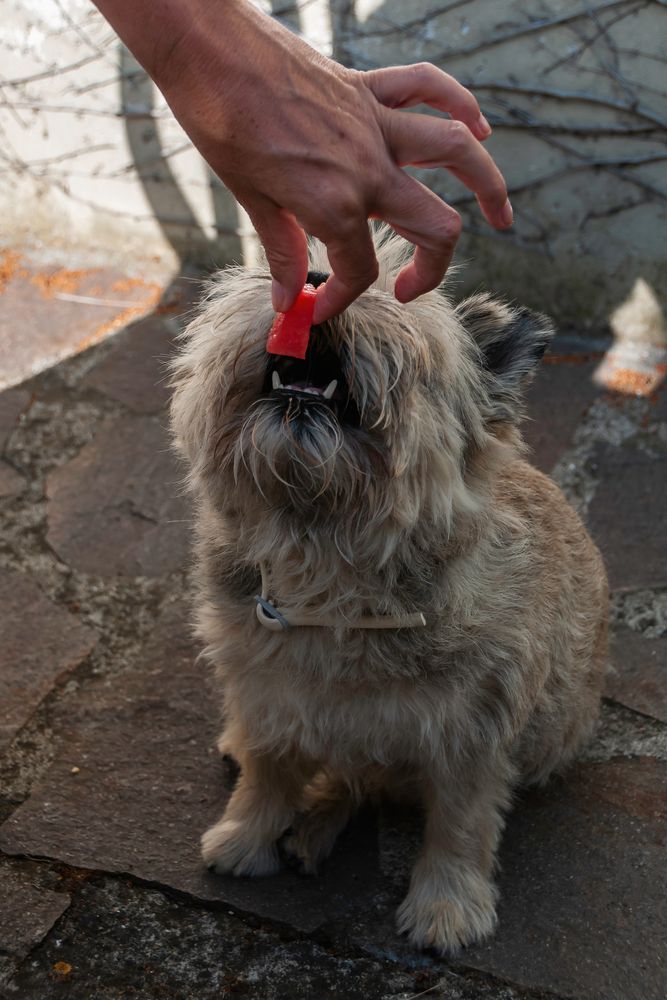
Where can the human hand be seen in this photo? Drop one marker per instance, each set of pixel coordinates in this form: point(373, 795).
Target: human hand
point(307, 146)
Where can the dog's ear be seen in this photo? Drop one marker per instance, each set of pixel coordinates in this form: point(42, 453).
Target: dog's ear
point(511, 342)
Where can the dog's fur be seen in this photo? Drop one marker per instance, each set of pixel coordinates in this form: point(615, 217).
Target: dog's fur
point(418, 501)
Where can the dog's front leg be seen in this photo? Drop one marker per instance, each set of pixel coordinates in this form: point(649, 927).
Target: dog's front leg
point(260, 809)
point(451, 901)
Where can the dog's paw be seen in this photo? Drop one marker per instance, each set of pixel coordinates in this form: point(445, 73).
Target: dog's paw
point(311, 840)
point(229, 848)
point(446, 923)
point(315, 832)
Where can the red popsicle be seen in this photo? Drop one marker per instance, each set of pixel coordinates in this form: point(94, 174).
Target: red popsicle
point(290, 330)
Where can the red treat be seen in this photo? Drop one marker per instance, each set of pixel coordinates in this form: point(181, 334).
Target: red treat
point(290, 331)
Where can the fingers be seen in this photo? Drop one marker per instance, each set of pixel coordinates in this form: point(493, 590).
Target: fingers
point(423, 219)
point(426, 141)
point(286, 248)
point(423, 83)
point(354, 268)
point(349, 248)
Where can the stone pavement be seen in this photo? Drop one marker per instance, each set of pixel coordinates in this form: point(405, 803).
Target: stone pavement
point(107, 768)
point(49, 312)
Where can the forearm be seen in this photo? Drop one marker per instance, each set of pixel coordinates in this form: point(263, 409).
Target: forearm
point(225, 68)
point(164, 34)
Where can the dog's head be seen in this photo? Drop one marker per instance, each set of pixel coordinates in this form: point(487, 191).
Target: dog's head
point(389, 414)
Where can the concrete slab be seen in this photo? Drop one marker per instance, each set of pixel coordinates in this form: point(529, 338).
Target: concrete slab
point(582, 912)
point(134, 371)
point(13, 402)
point(628, 514)
point(11, 481)
point(582, 867)
point(41, 644)
point(27, 913)
point(119, 941)
point(149, 783)
point(556, 403)
point(118, 508)
point(639, 679)
point(48, 313)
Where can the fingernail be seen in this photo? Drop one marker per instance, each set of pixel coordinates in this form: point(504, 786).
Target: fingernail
point(507, 214)
point(279, 296)
point(483, 125)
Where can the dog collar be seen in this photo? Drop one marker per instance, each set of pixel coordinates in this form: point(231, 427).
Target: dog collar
point(281, 619)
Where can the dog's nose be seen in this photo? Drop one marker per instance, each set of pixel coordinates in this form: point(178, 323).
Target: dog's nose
point(316, 278)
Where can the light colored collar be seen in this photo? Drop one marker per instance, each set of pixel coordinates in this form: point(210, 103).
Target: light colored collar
point(281, 619)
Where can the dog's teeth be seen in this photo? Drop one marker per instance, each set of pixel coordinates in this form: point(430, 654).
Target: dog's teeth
point(275, 381)
point(330, 389)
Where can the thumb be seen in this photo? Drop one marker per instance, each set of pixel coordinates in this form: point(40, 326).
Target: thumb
point(286, 249)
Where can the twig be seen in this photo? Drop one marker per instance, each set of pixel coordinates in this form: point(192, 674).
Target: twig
point(415, 996)
point(108, 81)
point(144, 217)
point(567, 95)
point(644, 55)
point(409, 27)
point(99, 50)
point(614, 210)
point(74, 110)
point(51, 72)
point(571, 128)
point(606, 71)
point(47, 160)
point(569, 168)
point(612, 165)
point(571, 56)
point(537, 24)
point(90, 300)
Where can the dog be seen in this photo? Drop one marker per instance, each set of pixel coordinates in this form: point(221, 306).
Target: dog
point(393, 598)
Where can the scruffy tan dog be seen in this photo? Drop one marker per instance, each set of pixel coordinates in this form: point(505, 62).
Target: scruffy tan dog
point(432, 614)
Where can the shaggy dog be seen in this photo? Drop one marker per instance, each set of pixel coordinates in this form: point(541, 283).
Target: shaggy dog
point(392, 597)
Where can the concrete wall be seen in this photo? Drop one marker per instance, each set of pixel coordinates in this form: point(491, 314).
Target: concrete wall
point(575, 89)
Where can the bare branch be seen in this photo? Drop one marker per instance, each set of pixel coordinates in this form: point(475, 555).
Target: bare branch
point(567, 95)
point(53, 71)
point(586, 43)
point(72, 109)
point(585, 164)
point(536, 24)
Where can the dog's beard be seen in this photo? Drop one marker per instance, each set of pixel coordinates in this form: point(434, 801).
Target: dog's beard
point(298, 451)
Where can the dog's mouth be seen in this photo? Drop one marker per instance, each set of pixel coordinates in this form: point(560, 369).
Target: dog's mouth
point(319, 380)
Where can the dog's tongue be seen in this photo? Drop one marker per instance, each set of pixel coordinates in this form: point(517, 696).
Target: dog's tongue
point(290, 330)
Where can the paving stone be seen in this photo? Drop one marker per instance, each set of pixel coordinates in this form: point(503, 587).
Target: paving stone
point(12, 404)
point(640, 673)
point(38, 326)
point(658, 411)
point(134, 370)
point(628, 515)
point(623, 732)
point(583, 912)
point(118, 508)
point(11, 481)
point(119, 940)
point(557, 401)
point(46, 314)
point(149, 785)
point(27, 913)
point(41, 644)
